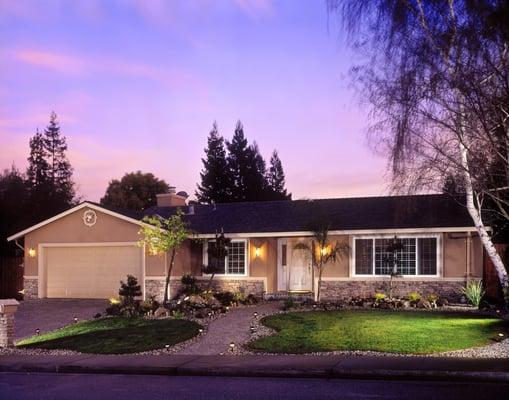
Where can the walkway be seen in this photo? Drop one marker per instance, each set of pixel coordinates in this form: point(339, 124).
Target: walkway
point(233, 327)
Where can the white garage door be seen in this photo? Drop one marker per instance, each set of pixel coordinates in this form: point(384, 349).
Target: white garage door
point(91, 271)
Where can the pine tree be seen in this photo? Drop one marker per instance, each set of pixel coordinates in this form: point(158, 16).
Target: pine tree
point(38, 180)
point(60, 170)
point(276, 179)
point(256, 184)
point(238, 161)
point(215, 183)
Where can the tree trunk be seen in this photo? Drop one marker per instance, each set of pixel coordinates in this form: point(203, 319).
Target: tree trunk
point(168, 276)
point(479, 225)
point(320, 270)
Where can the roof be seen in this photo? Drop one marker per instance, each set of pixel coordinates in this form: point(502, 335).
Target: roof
point(364, 213)
point(436, 211)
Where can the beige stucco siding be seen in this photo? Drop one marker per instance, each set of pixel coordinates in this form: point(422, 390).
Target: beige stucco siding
point(71, 229)
point(341, 268)
point(455, 256)
point(264, 265)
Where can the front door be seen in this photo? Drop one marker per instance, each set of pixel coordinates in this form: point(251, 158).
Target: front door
point(300, 271)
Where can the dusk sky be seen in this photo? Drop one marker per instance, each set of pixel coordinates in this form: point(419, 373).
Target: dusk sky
point(137, 85)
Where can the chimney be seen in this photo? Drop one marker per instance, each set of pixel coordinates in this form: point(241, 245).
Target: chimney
point(171, 199)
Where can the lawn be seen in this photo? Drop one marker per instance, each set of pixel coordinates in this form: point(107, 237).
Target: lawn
point(115, 335)
point(386, 331)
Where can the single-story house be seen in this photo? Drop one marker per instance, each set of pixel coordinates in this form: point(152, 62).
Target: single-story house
point(85, 251)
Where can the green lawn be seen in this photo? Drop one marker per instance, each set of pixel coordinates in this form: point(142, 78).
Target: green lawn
point(115, 335)
point(386, 331)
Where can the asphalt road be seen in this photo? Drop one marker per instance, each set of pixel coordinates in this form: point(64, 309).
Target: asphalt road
point(22, 386)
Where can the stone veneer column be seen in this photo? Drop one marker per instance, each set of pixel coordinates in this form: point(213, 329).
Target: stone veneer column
point(7, 309)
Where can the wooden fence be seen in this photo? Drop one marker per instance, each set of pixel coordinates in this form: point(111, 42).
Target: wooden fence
point(490, 277)
point(11, 277)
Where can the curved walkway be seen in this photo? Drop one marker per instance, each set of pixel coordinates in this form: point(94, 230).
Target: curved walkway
point(233, 327)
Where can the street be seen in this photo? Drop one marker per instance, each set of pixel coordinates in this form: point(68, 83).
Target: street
point(24, 386)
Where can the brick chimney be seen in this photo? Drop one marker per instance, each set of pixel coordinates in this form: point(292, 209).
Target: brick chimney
point(171, 199)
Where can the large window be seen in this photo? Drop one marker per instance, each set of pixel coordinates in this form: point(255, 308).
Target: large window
point(416, 256)
point(235, 262)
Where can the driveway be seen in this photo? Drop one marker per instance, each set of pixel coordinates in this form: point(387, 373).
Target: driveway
point(50, 314)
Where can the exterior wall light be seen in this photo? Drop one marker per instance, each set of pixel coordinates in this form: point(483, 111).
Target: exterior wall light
point(32, 252)
point(258, 251)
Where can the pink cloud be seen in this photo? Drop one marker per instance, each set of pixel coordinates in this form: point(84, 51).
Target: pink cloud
point(255, 8)
point(58, 62)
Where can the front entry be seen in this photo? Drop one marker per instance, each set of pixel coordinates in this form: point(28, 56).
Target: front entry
point(295, 272)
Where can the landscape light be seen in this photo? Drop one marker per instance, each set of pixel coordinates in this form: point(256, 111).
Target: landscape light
point(37, 331)
point(255, 314)
point(232, 346)
point(75, 320)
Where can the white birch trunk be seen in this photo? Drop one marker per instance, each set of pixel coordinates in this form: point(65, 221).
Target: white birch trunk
point(477, 218)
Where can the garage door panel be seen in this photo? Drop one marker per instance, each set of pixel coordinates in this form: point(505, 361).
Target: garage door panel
point(90, 271)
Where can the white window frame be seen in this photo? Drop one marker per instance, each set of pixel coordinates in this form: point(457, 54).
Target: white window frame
point(416, 236)
point(246, 257)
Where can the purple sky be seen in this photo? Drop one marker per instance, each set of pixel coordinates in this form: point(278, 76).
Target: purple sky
point(138, 83)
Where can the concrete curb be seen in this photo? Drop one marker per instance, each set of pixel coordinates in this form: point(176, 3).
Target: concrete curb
point(326, 367)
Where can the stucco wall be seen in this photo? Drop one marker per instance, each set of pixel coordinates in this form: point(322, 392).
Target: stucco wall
point(71, 229)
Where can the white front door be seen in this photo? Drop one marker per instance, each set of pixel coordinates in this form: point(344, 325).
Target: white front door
point(300, 271)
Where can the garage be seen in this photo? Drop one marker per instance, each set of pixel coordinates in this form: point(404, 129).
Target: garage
point(92, 272)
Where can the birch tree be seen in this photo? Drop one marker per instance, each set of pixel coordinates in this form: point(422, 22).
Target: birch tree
point(436, 77)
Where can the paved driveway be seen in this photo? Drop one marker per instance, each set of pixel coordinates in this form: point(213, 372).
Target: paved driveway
point(50, 314)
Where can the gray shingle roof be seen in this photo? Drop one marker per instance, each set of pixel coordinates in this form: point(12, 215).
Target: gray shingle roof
point(390, 212)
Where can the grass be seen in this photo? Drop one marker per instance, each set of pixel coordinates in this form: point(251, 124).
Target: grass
point(115, 335)
point(385, 331)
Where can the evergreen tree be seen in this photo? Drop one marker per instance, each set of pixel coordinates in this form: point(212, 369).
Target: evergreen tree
point(38, 180)
point(256, 184)
point(276, 179)
point(60, 170)
point(238, 162)
point(215, 177)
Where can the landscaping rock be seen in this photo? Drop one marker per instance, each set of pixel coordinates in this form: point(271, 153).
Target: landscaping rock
point(161, 312)
point(406, 304)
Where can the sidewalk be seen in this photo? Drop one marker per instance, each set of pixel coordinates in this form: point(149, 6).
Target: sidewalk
point(295, 366)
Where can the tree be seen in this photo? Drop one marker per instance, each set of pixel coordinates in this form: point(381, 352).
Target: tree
point(238, 161)
point(128, 292)
point(217, 251)
point(216, 182)
point(38, 178)
point(325, 252)
point(163, 236)
point(276, 179)
point(255, 181)
point(436, 79)
point(14, 207)
point(62, 190)
point(135, 191)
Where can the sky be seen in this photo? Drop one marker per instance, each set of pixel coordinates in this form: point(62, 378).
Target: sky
point(137, 84)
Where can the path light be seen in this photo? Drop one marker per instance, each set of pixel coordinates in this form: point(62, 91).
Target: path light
point(232, 346)
point(209, 314)
point(255, 314)
point(314, 306)
point(37, 331)
point(200, 330)
point(253, 329)
point(186, 298)
point(227, 308)
point(167, 347)
point(500, 335)
point(75, 320)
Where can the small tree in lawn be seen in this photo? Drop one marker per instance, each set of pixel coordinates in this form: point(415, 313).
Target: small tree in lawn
point(392, 261)
point(325, 252)
point(217, 251)
point(163, 236)
point(128, 292)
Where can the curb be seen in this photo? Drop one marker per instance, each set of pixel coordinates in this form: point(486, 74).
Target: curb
point(328, 373)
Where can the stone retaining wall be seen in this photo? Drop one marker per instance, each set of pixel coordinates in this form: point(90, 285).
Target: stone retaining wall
point(155, 287)
point(342, 290)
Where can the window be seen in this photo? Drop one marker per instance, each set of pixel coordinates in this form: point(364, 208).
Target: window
point(283, 254)
point(235, 262)
point(418, 256)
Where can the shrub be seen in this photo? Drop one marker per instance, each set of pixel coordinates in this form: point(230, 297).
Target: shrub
point(225, 298)
point(433, 299)
point(149, 305)
point(129, 306)
point(177, 314)
point(379, 297)
point(414, 297)
point(189, 285)
point(288, 303)
point(473, 292)
point(239, 297)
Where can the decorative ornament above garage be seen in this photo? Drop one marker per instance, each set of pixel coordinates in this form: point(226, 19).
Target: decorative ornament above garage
point(89, 217)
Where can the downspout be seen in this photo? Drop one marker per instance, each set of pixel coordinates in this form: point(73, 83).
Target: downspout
point(469, 256)
point(20, 246)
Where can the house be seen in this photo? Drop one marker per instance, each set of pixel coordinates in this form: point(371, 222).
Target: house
point(85, 251)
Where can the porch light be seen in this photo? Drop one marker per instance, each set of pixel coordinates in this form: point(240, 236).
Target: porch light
point(257, 251)
point(32, 252)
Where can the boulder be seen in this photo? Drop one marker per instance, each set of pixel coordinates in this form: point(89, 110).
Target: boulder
point(161, 312)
